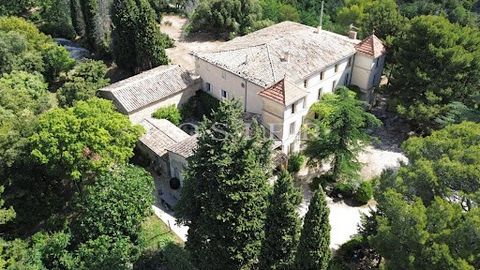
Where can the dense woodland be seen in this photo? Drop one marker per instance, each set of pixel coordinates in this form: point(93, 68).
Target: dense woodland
point(73, 198)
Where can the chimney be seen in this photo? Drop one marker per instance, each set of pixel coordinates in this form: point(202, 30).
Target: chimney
point(352, 34)
point(285, 56)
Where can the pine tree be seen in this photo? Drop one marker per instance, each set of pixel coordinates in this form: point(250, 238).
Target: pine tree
point(282, 227)
point(313, 250)
point(225, 194)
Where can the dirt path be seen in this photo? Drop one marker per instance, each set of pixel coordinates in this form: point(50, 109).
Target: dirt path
point(173, 26)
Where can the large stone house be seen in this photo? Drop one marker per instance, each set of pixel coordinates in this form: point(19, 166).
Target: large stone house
point(277, 73)
point(280, 71)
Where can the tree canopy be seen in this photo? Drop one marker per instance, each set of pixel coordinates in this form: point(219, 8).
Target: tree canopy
point(231, 17)
point(339, 133)
point(314, 247)
point(99, 210)
point(87, 138)
point(437, 63)
point(430, 207)
point(282, 225)
point(224, 197)
point(138, 43)
point(82, 82)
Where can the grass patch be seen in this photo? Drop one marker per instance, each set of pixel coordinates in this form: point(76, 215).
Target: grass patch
point(157, 243)
point(155, 234)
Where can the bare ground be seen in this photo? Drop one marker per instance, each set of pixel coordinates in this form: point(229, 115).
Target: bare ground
point(173, 26)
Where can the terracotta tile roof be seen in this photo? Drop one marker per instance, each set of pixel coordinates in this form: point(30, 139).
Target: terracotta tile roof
point(371, 46)
point(150, 86)
point(275, 92)
point(265, 56)
point(284, 92)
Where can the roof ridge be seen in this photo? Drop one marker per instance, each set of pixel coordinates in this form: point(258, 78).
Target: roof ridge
point(270, 62)
point(132, 80)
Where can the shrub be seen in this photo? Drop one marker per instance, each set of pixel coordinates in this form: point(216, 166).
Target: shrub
point(346, 189)
point(295, 162)
point(171, 113)
point(198, 106)
point(364, 193)
point(177, 258)
point(322, 180)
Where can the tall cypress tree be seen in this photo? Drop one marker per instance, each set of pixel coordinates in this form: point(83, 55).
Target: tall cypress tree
point(138, 43)
point(124, 16)
point(313, 250)
point(225, 194)
point(150, 41)
point(282, 227)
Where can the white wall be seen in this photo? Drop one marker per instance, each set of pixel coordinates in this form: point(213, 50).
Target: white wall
point(329, 76)
point(177, 99)
point(177, 164)
point(366, 72)
point(234, 85)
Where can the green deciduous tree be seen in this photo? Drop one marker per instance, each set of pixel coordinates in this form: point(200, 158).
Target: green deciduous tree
point(80, 141)
point(314, 247)
point(32, 50)
point(106, 253)
point(225, 194)
point(282, 226)
point(6, 214)
point(340, 132)
point(437, 63)
point(230, 17)
point(115, 205)
point(82, 82)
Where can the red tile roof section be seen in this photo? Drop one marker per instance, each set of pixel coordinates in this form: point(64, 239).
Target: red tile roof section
point(372, 46)
point(275, 92)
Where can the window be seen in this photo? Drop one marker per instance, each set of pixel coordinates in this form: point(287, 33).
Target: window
point(320, 93)
point(224, 94)
point(349, 62)
point(305, 83)
point(334, 85)
point(291, 148)
point(292, 128)
point(208, 87)
point(336, 68)
point(321, 75)
point(293, 108)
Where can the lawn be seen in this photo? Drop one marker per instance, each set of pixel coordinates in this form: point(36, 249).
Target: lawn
point(161, 248)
